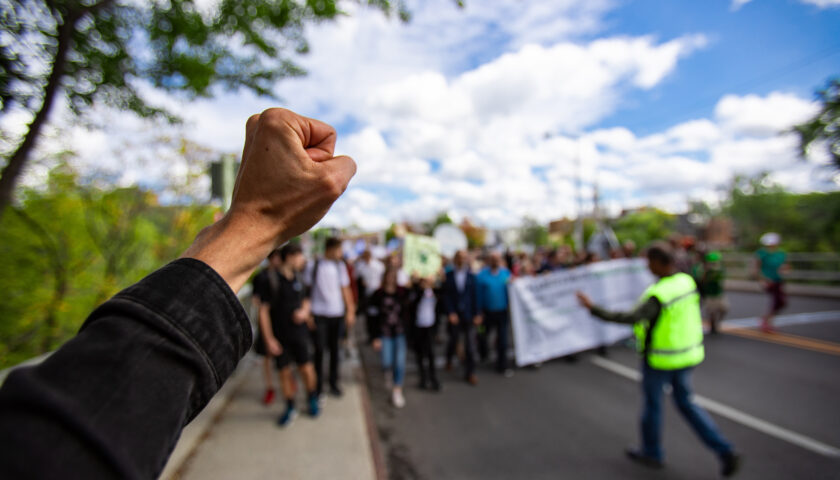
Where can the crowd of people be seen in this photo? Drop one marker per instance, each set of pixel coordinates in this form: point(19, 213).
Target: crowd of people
point(306, 309)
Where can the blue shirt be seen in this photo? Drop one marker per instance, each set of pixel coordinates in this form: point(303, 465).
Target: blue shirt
point(492, 294)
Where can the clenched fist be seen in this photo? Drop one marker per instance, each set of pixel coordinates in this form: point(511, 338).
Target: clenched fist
point(287, 181)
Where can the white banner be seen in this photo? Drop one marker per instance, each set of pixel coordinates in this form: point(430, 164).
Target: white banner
point(547, 320)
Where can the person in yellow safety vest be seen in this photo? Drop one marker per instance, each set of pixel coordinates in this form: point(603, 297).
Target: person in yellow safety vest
point(669, 335)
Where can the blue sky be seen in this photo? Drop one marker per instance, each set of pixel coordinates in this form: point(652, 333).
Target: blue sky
point(485, 112)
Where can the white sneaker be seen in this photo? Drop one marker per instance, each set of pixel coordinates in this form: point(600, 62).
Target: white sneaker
point(397, 399)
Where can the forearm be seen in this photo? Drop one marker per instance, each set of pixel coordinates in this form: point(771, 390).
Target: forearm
point(349, 304)
point(164, 345)
point(233, 247)
point(647, 311)
point(265, 323)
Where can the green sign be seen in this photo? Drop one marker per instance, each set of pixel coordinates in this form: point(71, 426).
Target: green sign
point(421, 255)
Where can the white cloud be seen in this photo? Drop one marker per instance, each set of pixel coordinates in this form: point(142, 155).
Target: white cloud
point(761, 116)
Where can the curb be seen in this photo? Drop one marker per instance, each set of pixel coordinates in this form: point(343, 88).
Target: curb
point(379, 465)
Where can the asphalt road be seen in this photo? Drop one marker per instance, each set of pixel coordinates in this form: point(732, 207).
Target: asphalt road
point(573, 420)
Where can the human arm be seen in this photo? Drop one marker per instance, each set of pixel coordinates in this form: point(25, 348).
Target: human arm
point(648, 310)
point(302, 314)
point(271, 344)
point(111, 402)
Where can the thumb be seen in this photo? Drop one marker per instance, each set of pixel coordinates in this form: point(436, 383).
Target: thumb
point(341, 169)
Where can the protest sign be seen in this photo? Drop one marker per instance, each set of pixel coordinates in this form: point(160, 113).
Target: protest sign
point(547, 320)
point(421, 255)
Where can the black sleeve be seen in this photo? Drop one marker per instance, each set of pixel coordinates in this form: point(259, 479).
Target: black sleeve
point(111, 402)
point(646, 311)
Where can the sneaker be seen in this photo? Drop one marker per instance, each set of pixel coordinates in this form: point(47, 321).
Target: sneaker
point(508, 373)
point(314, 407)
point(336, 392)
point(730, 464)
point(643, 459)
point(398, 399)
point(287, 418)
point(268, 397)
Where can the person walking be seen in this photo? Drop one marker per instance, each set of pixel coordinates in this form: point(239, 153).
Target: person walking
point(771, 265)
point(284, 325)
point(261, 295)
point(669, 335)
point(710, 276)
point(424, 308)
point(333, 308)
point(462, 312)
point(369, 272)
point(390, 307)
point(492, 302)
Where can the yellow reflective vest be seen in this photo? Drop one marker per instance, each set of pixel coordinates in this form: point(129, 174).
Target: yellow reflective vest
point(677, 335)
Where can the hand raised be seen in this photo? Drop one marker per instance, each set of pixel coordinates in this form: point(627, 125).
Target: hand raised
point(288, 178)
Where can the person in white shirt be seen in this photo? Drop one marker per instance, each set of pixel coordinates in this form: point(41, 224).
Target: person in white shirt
point(333, 309)
point(369, 271)
point(424, 306)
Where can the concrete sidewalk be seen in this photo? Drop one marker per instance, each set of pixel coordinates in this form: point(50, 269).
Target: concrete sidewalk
point(244, 442)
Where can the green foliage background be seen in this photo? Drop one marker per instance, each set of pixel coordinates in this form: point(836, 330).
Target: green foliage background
point(67, 247)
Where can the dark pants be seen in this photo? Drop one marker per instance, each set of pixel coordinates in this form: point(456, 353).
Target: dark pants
point(424, 352)
point(778, 299)
point(652, 383)
point(499, 322)
point(465, 329)
point(327, 333)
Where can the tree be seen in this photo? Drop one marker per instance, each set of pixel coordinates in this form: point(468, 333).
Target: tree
point(533, 233)
point(69, 245)
point(825, 126)
point(103, 50)
point(807, 222)
point(644, 226)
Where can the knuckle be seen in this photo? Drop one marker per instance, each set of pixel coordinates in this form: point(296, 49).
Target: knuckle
point(274, 118)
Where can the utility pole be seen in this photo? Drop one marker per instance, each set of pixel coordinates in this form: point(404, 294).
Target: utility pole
point(223, 179)
point(577, 236)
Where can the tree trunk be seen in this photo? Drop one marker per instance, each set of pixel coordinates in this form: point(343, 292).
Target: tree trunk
point(12, 171)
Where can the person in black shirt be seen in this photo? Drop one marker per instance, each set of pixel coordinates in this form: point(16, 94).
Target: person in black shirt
point(262, 294)
point(112, 401)
point(285, 321)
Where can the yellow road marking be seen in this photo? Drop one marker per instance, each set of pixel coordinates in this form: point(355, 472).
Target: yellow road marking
point(787, 339)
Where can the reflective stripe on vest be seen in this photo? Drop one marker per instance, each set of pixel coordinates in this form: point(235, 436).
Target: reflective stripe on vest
point(676, 340)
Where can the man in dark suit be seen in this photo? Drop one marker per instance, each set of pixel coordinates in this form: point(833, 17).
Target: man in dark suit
point(459, 294)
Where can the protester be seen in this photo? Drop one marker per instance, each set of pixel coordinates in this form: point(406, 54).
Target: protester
point(462, 312)
point(369, 271)
point(261, 294)
point(424, 311)
point(333, 308)
point(710, 276)
point(771, 265)
point(554, 262)
point(284, 325)
point(390, 307)
point(99, 407)
point(492, 300)
point(669, 335)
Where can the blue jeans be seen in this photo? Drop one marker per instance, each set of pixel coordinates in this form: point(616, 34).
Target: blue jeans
point(653, 382)
point(393, 357)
